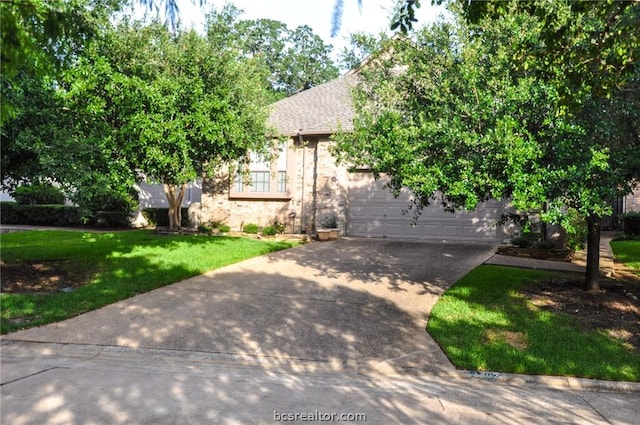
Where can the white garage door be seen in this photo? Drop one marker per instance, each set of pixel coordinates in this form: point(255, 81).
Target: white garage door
point(374, 212)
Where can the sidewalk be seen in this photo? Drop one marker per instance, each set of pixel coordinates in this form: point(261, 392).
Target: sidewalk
point(578, 265)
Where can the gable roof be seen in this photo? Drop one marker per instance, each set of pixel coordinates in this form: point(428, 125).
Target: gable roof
point(321, 109)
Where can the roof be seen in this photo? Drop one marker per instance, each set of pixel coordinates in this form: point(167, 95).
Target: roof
point(321, 109)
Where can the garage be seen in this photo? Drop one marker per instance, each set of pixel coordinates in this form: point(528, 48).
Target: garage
point(374, 212)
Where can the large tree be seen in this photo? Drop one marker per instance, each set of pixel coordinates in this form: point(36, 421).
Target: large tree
point(169, 106)
point(297, 59)
point(516, 104)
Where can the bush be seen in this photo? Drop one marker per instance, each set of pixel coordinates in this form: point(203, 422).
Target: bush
point(205, 228)
point(631, 223)
point(522, 242)
point(544, 245)
point(42, 215)
point(116, 219)
point(251, 228)
point(280, 227)
point(38, 194)
point(269, 231)
point(213, 225)
point(160, 216)
point(576, 227)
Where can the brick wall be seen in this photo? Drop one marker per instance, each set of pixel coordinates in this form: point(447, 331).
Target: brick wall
point(317, 186)
point(632, 201)
point(331, 187)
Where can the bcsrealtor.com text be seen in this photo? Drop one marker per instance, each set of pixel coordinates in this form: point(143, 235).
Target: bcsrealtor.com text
point(318, 416)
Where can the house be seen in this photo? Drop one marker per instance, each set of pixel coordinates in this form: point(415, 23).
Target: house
point(304, 186)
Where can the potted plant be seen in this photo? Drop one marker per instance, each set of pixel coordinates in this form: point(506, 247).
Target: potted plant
point(330, 226)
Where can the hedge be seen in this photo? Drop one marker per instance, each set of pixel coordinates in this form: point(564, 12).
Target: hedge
point(631, 223)
point(160, 216)
point(43, 215)
point(38, 194)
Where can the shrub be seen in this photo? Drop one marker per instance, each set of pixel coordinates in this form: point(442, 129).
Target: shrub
point(251, 228)
point(38, 194)
point(160, 216)
point(213, 225)
point(43, 215)
point(110, 219)
point(280, 227)
point(631, 223)
point(544, 245)
point(576, 227)
point(205, 228)
point(522, 242)
point(330, 222)
point(269, 231)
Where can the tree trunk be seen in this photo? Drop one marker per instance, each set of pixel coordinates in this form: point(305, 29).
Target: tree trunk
point(174, 197)
point(592, 278)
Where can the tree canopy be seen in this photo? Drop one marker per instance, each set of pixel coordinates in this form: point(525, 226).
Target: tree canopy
point(297, 59)
point(169, 106)
point(489, 106)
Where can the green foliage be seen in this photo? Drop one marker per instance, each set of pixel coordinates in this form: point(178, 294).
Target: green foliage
point(483, 323)
point(251, 228)
point(41, 37)
point(362, 47)
point(205, 105)
point(329, 222)
point(117, 266)
point(631, 223)
point(269, 231)
point(43, 215)
point(295, 59)
point(544, 245)
point(212, 226)
point(160, 216)
point(576, 229)
point(38, 194)
point(280, 227)
point(535, 102)
point(522, 242)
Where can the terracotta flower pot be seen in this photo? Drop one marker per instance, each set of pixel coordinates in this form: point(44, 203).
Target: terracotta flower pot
point(324, 234)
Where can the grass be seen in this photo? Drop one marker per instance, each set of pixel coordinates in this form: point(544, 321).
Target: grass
point(628, 251)
point(483, 323)
point(117, 266)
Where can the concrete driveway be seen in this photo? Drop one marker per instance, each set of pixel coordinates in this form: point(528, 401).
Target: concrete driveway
point(352, 302)
point(327, 332)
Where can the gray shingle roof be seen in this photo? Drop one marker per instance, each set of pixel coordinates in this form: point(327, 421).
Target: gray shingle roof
point(319, 110)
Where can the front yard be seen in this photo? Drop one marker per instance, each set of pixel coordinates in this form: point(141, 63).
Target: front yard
point(48, 276)
point(507, 319)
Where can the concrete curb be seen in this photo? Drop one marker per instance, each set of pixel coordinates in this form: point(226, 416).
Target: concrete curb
point(83, 352)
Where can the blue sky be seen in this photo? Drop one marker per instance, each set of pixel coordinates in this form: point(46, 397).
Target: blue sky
point(373, 17)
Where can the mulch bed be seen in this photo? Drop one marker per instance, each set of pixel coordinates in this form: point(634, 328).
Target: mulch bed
point(40, 277)
point(615, 308)
point(537, 253)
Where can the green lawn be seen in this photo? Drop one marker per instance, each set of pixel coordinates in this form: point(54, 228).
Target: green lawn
point(483, 323)
point(627, 251)
point(116, 266)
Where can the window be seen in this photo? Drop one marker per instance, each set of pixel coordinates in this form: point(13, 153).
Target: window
point(265, 179)
point(260, 181)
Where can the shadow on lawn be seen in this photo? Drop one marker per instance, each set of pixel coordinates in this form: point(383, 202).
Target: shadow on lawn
point(96, 269)
point(487, 324)
point(270, 317)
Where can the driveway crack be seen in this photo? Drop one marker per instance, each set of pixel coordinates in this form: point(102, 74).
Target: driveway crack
point(31, 375)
